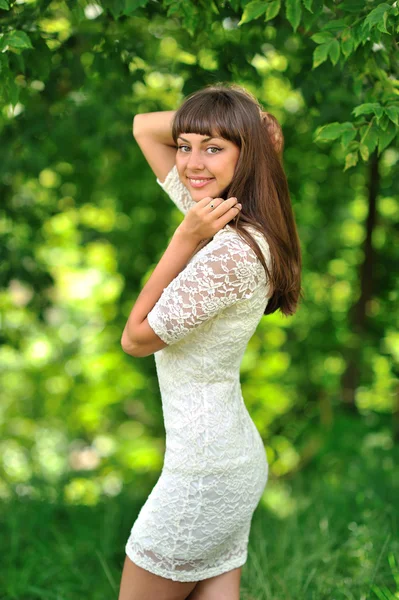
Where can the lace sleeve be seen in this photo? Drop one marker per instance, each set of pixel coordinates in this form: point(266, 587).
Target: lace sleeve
point(176, 191)
point(227, 272)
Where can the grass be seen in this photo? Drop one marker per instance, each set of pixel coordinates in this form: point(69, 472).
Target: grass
point(338, 541)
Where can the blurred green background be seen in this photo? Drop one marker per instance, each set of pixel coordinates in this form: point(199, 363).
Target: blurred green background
point(83, 223)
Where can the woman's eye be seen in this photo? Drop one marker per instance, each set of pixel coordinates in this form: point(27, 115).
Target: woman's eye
point(214, 148)
point(210, 148)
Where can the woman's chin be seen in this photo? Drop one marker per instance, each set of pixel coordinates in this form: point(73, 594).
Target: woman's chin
point(198, 195)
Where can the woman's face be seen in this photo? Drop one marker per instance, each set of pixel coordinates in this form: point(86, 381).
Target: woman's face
point(205, 165)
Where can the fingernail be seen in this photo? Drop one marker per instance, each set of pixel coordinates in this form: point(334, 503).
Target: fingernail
point(240, 205)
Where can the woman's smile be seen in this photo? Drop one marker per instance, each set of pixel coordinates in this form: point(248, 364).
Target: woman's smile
point(199, 182)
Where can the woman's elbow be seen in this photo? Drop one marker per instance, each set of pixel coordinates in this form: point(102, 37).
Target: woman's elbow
point(128, 346)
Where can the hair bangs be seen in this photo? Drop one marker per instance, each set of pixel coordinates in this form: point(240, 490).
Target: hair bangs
point(210, 116)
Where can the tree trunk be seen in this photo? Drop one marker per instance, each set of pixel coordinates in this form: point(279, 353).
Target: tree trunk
point(358, 314)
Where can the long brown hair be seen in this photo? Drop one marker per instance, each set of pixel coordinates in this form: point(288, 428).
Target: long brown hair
point(259, 181)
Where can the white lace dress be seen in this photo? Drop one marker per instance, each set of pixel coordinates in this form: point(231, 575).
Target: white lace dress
point(196, 521)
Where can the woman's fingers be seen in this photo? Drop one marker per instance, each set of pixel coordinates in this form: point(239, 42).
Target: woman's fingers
point(204, 220)
point(224, 206)
point(224, 212)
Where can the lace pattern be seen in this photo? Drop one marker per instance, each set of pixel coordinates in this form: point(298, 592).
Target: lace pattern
point(226, 271)
point(176, 191)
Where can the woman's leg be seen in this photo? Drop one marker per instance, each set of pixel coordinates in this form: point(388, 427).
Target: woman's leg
point(140, 584)
point(221, 587)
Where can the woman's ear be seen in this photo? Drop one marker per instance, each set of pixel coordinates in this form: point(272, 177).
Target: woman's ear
point(274, 130)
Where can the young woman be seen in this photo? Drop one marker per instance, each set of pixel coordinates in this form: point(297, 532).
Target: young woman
point(234, 258)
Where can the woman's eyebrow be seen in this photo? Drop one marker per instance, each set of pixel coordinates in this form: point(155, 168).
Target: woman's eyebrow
point(202, 141)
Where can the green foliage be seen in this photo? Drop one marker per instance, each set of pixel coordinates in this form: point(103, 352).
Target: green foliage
point(336, 520)
point(82, 223)
point(362, 49)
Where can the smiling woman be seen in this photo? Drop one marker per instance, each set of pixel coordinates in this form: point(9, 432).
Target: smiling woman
point(217, 160)
point(203, 165)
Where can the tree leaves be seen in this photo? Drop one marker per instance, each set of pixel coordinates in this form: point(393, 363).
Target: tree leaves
point(308, 5)
point(15, 39)
point(351, 160)
point(332, 131)
point(132, 5)
point(330, 49)
point(272, 10)
point(351, 36)
point(256, 8)
point(386, 137)
point(378, 17)
point(376, 132)
point(366, 109)
point(293, 11)
point(253, 10)
point(393, 113)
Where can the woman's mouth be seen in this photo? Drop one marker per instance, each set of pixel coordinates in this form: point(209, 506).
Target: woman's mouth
point(200, 182)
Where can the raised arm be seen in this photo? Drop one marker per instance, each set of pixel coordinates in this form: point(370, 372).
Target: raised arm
point(153, 133)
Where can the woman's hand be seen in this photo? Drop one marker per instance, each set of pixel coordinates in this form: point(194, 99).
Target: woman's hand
point(202, 221)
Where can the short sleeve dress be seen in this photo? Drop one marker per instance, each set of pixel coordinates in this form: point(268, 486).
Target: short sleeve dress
point(196, 521)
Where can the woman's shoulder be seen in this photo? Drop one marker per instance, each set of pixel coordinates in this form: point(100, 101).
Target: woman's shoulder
point(228, 232)
point(172, 182)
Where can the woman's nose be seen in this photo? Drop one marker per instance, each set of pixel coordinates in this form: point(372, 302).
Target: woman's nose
point(195, 160)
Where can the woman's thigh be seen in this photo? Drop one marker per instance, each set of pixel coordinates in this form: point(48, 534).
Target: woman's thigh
point(140, 584)
point(221, 587)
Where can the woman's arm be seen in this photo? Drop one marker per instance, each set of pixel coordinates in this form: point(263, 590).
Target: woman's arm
point(138, 338)
point(153, 133)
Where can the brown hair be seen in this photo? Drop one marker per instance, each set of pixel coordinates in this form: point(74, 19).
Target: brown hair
point(259, 181)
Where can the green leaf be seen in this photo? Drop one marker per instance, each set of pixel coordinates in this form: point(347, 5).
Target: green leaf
point(383, 121)
point(293, 11)
point(332, 131)
point(116, 7)
point(352, 6)
point(317, 7)
point(393, 113)
point(132, 5)
point(347, 42)
point(386, 137)
point(376, 16)
point(320, 54)
point(382, 26)
point(364, 152)
point(351, 160)
point(322, 37)
point(367, 108)
point(334, 51)
point(4, 5)
point(272, 10)
point(253, 10)
point(17, 39)
point(371, 137)
point(359, 36)
point(330, 48)
point(308, 5)
point(348, 136)
point(190, 17)
point(335, 25)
